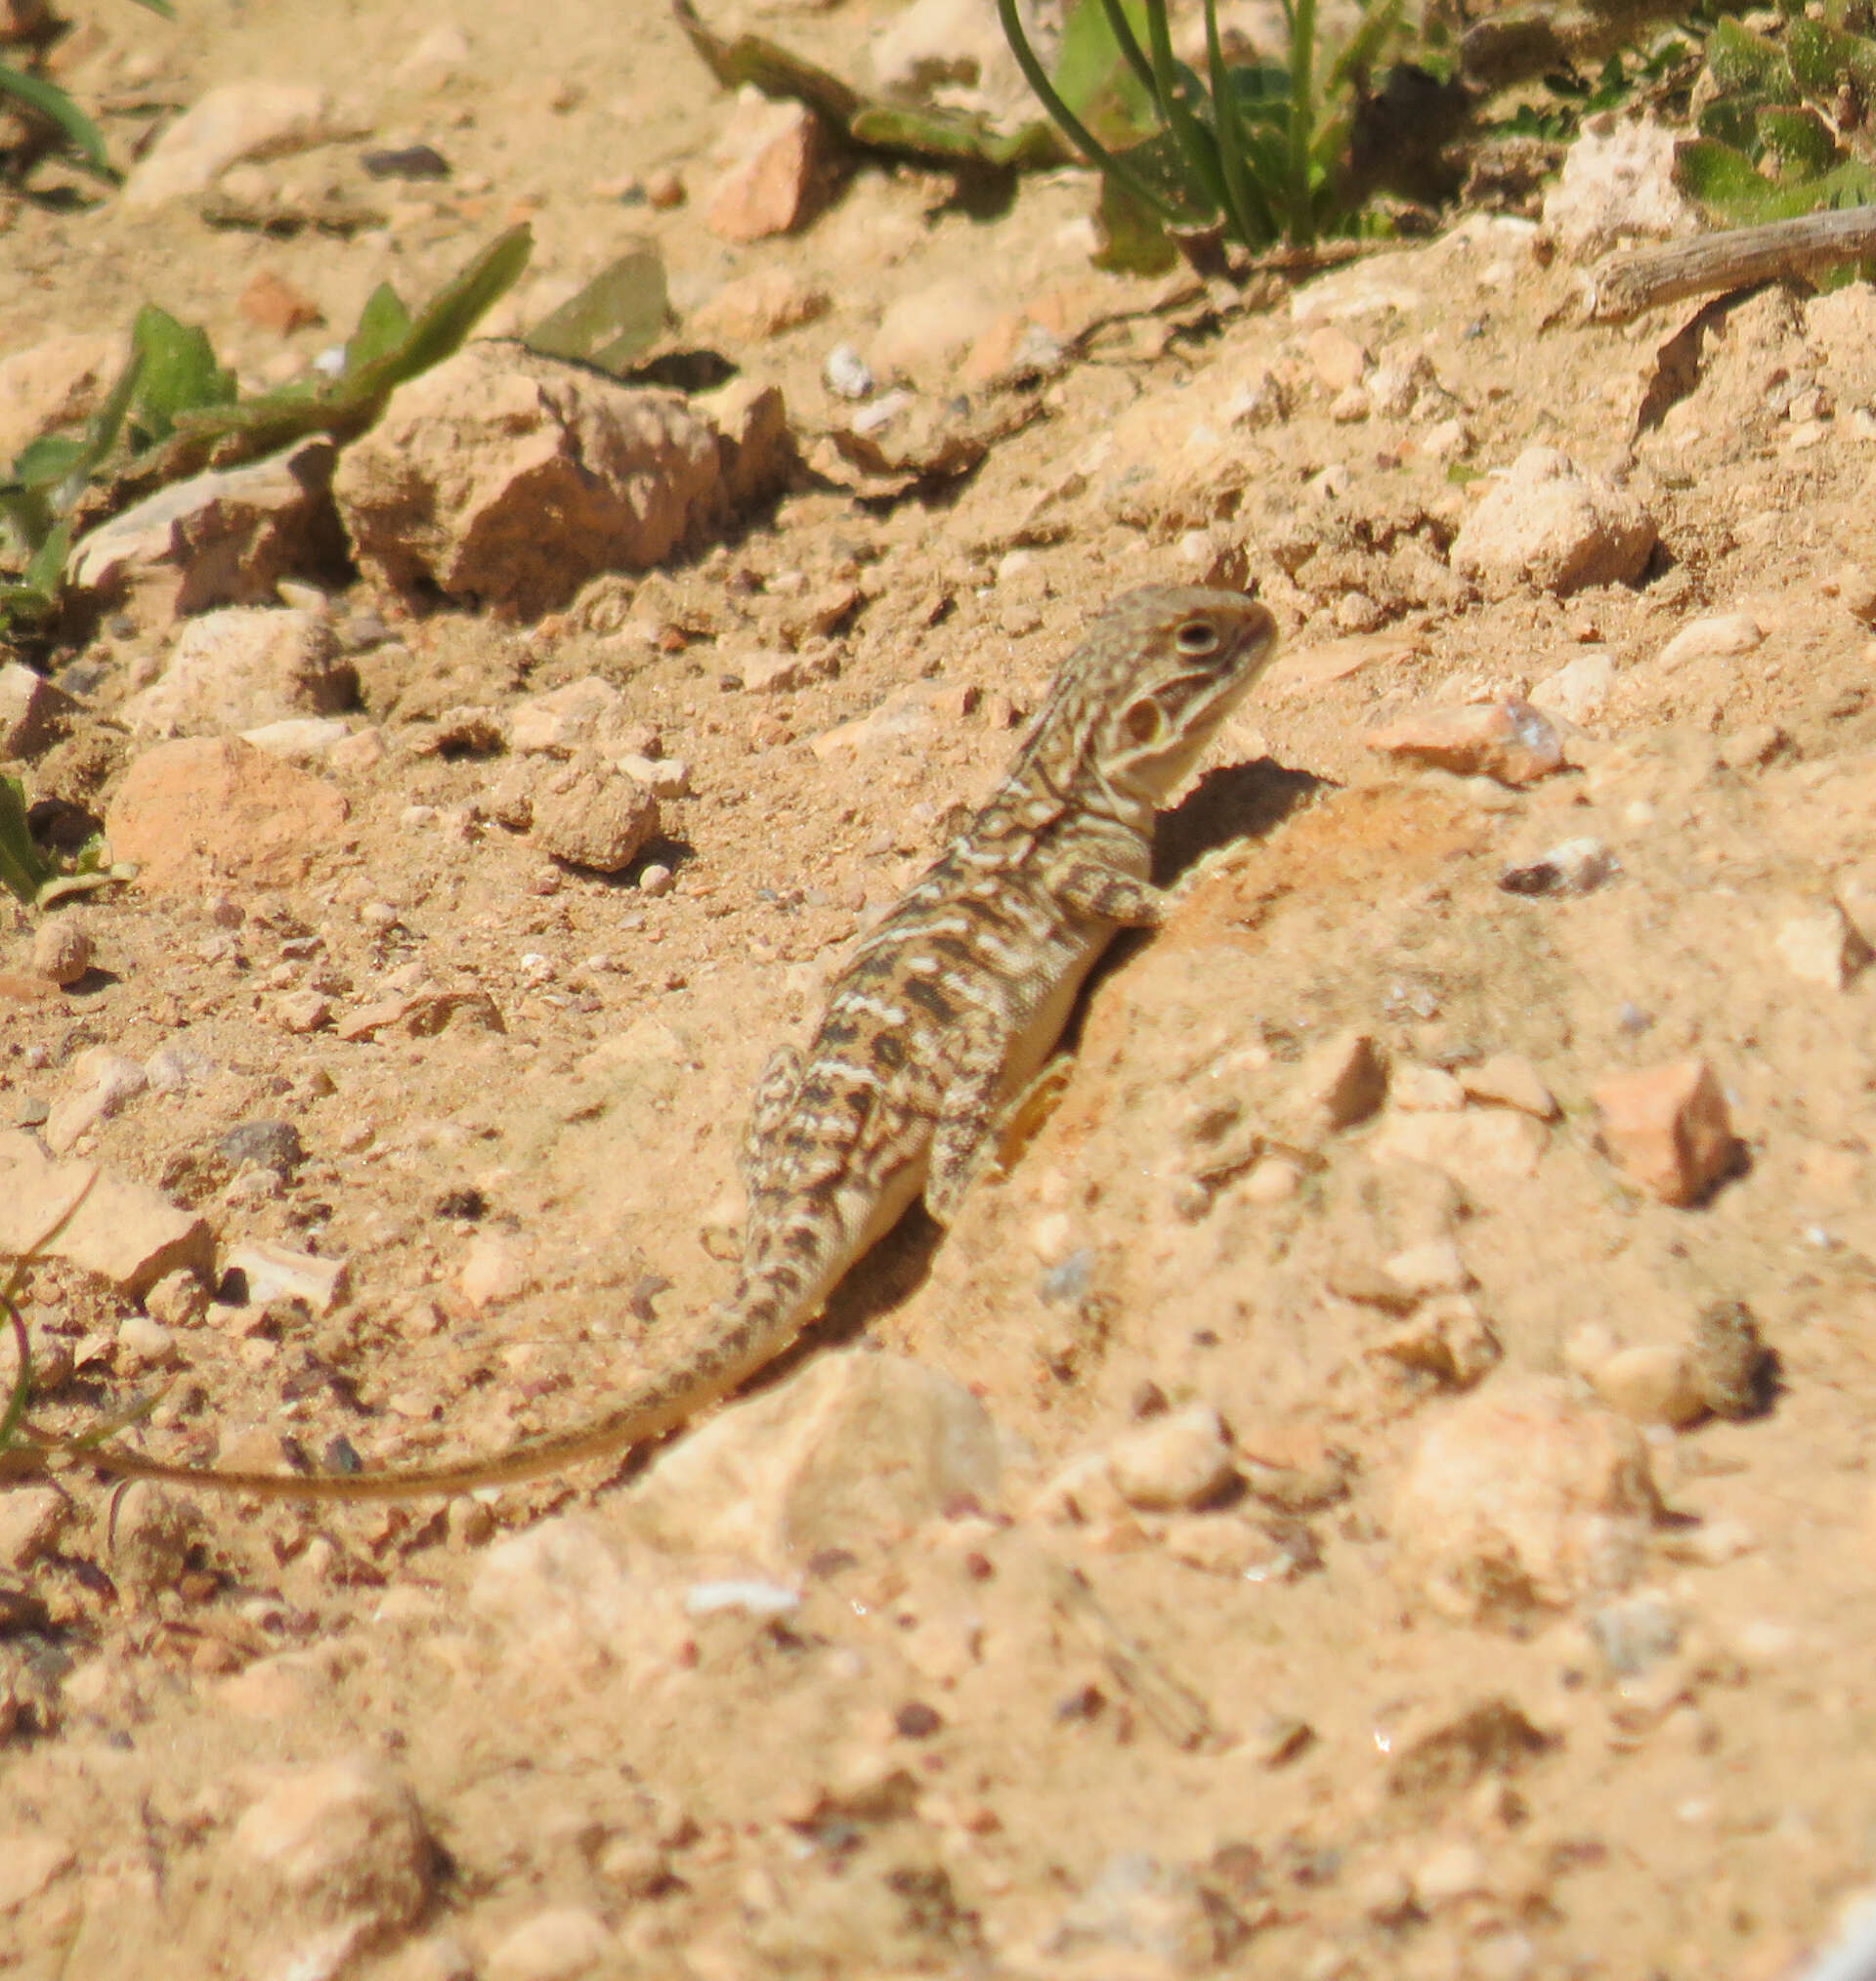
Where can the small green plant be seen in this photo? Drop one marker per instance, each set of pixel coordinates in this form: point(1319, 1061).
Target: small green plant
point(1255, 149)
point(176, 410)
point(25, 871)
point(35, 93)
point(1783, 130)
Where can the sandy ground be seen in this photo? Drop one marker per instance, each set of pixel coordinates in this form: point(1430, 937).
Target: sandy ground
point(508, 1737)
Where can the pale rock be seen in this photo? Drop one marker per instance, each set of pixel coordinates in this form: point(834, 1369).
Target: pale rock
point(586, 813)
point(143, 1344)
point(304, 738)
point(774, 177)
point(1220, 1545)
point(1666, 1128)
point(1434, 1266)
point(33, 714)
point(1653, 1383)
point(1446, 1338)
point(564, 1943)
point(238, 120)
point(1509, 1080)
point(151, 1536)
point(61, 949)
point(561, 1598)
point(1855, 591)
point(222, 537)
point(1728, 1360)
point(1425, 1090)
point(1512, 742)
point(753, 438)
point(1349, 407)
point(1452, 1872)
point(1081, 1494)
point(1727, 635)
point(242, 665)
point(434, 56)
point(1516, 1495)
point(1576, 866)
point(302, 1012)
point(1339, 360)
point(1175, 1461)
point(758, 306)
point(177, 1300)
point(1820, 945)
point(126, 1232)
point(509, 480)
point(495, 1269)
point(205, 810)
point(54, 383)
point(1587, 1347)
point(1619, 180)
point(668, 777)
point(102, 1083)
point(1339, 1083)
point(31, 1520)
point(278, 1272)
point(924, 331)
point(1138, 1917)
point(332, 1842)
point(1552, 523)
point(775, 674)
point(29, 1860)
point(1477, 1150)
point(1579, 690)
point(563, 719)
point(855, 1445)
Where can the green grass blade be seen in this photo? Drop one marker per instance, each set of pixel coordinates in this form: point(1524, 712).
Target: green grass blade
point(1198, 148)
point(1302, 55)
point(1122, 29)
point(1251, 220)
point(1084, 140)
point(24, 867)
point(59, 111)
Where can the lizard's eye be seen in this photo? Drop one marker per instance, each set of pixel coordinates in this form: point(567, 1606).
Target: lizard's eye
point(1197, 638)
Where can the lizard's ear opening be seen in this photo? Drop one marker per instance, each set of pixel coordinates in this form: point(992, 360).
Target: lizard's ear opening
point(1141, 723)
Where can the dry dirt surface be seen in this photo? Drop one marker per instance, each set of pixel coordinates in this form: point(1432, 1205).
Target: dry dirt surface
point(1378, 1483)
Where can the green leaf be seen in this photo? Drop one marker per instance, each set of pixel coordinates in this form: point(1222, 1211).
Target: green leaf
point(1130, 240)
point(1798, 140)
point(617, 315)
point(1739, 60)
point(1822, 61)
point(179, 373)
point(59, 111)
point(24, 867)
point(1732, 120)
point(383, 325)
point(444, 321)
point(1095, 77)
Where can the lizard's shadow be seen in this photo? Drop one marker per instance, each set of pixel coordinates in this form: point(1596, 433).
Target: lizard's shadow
point(1238, 802)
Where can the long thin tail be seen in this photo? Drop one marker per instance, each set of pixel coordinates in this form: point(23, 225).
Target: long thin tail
point(748, 1329)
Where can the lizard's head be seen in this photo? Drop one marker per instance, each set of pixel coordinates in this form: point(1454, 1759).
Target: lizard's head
point(1182, 658)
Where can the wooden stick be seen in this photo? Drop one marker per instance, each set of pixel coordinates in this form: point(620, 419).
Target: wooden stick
point(1627, 284)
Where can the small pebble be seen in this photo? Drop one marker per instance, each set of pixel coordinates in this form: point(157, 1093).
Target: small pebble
point(654, 880)
point(845, 372)
point(61, 949)
point(1572, 867)
point(1731, 1366)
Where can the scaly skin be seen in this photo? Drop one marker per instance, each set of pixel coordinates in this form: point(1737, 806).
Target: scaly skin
point(943, 1015)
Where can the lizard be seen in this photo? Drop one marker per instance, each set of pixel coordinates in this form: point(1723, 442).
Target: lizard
point(944, 1012)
